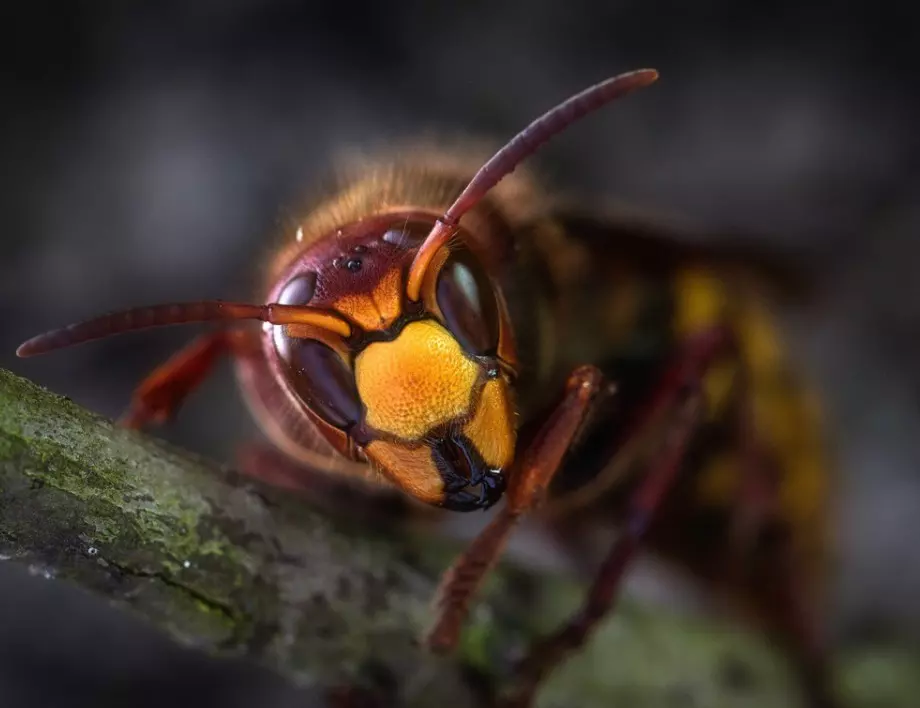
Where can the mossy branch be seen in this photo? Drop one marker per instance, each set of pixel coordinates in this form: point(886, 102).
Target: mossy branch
point(223, 564)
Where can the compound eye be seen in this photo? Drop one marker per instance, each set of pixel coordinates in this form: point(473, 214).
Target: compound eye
point(317, 374)
point(298, 291)
point(467, 302)
point(323, 381)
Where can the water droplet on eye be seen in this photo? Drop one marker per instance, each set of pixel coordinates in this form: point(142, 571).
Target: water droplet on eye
point(353, 264)
point(92, 551)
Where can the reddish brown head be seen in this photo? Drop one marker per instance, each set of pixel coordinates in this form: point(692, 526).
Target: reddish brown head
point(394, 336)
point(421, 388)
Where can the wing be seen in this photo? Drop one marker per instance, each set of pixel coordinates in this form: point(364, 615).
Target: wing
point(655, 242)
point(708, 280)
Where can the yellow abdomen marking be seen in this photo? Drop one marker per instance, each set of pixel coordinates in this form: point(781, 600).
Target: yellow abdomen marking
point(702, 303)
point(418, 381)
point(786, 417)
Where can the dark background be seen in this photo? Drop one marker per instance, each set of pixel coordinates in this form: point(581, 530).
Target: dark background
point(147, 152)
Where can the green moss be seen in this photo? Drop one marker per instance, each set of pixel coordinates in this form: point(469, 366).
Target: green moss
point(126, 504)
point(232, 571)
point(881, 677)
point(131, 492)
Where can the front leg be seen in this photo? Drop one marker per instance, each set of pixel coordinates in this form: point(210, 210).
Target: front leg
point(551, 651)
point(165, 389)
point(530, 478)
point(679, 401)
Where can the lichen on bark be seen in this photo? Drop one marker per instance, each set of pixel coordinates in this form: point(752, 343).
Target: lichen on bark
point(226, 565)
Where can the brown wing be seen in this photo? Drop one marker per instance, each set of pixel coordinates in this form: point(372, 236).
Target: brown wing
point(655, 242)
point(713, 280)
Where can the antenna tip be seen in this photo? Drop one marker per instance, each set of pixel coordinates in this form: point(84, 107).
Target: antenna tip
point(648, 76)
point(26, 349)
point(36, 345)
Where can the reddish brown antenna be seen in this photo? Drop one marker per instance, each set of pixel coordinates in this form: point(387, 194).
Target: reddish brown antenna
point(186, 313)
point(521, 146)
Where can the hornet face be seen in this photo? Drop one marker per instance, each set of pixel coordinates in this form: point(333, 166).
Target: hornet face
point(387, 332)
point(418, 388)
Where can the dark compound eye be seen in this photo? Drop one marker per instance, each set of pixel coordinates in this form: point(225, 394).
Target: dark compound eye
point(316, 373)
point(298, 291)
point(467, 302)
point(323, 381)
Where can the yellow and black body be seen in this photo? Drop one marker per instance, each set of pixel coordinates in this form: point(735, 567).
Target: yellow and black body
point(570, 289)
point(467, 363)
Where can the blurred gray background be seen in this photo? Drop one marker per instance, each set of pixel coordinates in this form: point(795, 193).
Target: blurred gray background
point(149, 151)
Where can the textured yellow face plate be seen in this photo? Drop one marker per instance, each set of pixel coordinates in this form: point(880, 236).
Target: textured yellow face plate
point(491, 429)
point(418, 381)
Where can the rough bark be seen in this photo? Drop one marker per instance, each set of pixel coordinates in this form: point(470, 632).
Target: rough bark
point(233, 568)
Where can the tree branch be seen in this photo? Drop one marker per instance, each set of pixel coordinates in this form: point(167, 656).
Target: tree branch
point(226, 565)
